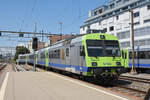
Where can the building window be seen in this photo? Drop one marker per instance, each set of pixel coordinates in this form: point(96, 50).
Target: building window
point(112, 5)
point(103, 16)
point(109, 14)
point(117, 11)
point(100, 11)
point(133, 5)
point(125, 8)
point(148, 7)
point(137, 23)
point(83, 28)
point(136, 14)
point(146, 21)
point(111, 28)
point(95, 13)
point(117, 17)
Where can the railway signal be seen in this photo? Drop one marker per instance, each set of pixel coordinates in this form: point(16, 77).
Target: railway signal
point(35, 43)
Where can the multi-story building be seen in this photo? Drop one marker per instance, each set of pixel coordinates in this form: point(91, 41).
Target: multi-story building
point(115, 18)
point(56, 38)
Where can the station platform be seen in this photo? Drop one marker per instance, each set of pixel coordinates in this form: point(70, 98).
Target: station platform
point(51, 86)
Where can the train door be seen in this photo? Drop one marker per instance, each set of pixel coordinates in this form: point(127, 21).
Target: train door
point(125, 56)
point(81, 58)
point(67, 56)
point(74, 55)
point(63, 58)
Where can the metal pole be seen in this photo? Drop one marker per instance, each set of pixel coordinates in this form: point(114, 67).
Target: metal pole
point(42, 35)
point(34, 67)
point(133, 70)
point(60, 29)
point(26, 56)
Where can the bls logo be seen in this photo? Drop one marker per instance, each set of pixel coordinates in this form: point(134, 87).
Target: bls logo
point(107, 63)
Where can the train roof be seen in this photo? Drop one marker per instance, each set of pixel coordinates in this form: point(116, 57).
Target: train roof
point(79, 38)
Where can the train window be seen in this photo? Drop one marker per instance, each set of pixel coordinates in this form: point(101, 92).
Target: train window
point(42, 55)
point(58, 54)
point(54, 54)
point(125, 55)
point(122, 53)
point(142, 55)
point(39, 56)
point(82, 51)
point(22, 57)
point(148, 55)
point(50, 54)
point(130, 55)
point(67, 51)
point(135, 55)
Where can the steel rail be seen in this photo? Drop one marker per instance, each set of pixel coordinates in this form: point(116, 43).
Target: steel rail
point(137, 79)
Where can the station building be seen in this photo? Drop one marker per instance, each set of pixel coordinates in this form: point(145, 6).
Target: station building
point(41, 45)
point(55, 38)
point(115, 18)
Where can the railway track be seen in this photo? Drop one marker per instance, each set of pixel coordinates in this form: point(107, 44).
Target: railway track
point(2, 66)
point(21, 68)
point(139, 94)
point(135, 79)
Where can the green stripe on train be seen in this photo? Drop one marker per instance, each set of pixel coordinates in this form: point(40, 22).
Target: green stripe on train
point(47, 57)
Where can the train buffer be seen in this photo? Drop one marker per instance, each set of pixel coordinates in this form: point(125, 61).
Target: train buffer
point(51, 86)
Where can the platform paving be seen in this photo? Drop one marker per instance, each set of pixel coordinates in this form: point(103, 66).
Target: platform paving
point(51, 86)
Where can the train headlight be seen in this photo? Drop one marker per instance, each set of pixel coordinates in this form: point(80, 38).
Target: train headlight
point(102, 37)
point(94, 63)
point(118, 63)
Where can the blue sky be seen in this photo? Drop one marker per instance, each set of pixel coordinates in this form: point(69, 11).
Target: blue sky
point(22, 14)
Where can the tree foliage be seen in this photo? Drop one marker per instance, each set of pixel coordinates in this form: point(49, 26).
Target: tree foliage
point(21, 50)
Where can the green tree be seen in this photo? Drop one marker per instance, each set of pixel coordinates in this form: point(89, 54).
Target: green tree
point(21, 50)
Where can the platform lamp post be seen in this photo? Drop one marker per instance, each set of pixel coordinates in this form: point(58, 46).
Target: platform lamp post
point(0, 55)
point(133, 70)
point(61, 29)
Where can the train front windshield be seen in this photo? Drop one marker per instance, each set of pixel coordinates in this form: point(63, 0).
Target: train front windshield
point(101, 48)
